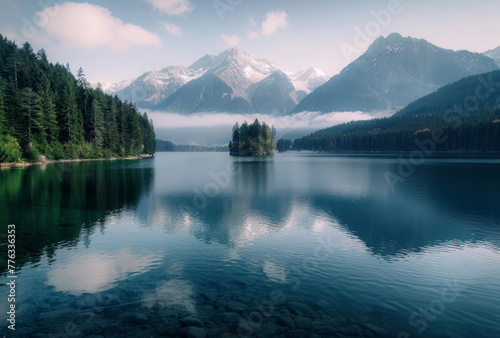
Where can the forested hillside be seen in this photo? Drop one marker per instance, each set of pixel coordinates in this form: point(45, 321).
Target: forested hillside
point(466, 114)
point(45, 110)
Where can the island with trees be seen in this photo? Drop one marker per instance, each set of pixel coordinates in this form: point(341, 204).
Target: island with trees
point(252, 139)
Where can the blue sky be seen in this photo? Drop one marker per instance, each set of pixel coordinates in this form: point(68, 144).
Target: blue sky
point(117, 40)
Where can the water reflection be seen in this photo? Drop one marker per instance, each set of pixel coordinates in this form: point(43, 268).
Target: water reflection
point(98, 271)
point(206, 238)
point(61, 203)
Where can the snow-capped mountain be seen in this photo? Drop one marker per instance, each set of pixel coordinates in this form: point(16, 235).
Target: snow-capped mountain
point(239, 70)
point(275, 94)
point(110, 88)
point(309, 79)
point(393, 72)
point(494, 54)
point(151, 88)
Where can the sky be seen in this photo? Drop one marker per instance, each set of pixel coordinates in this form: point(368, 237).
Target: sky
point(119, 40)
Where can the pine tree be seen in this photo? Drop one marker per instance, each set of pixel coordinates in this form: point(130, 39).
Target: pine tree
point(50, 126)
point(32, 115)
point(3, 86)
point(97, 124)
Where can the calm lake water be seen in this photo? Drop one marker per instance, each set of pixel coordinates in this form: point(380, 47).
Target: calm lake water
point(202, 244)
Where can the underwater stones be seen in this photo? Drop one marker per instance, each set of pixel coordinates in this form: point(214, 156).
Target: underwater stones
point(299, 308)
point(286, 320)
point(193, 332)
point(58, 315)
point(376, 329)
point(226, 317)
point(191, 321)
point(235, 306)
point(322, 304)
point(268, 330)
point(210, 296)
point(135, 318)
point(352, 330)
point(170, 330)
point(326, 330)
point(302, 322)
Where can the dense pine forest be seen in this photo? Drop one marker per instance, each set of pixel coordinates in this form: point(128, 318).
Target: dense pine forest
point(45, 110)
point(466, 113)
point(253, 139)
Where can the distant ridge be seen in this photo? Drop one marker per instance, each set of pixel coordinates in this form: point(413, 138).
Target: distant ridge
point(393, 72)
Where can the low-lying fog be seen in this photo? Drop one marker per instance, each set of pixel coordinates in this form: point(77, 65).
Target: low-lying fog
point(215, 128)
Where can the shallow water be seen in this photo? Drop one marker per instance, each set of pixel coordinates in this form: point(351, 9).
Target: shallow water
point(201, 244)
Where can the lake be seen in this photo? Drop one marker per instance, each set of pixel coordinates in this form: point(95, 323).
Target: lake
point(204, 244)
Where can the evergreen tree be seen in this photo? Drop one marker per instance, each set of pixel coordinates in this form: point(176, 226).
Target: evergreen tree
point(32, 115)
point(3, 86)
point(49, 124)
point(97, 124)
point(43, 107)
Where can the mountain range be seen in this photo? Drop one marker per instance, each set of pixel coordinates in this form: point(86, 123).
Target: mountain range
point(460, 117)
point(393, 72)
point(494, 54)
point(233, 81)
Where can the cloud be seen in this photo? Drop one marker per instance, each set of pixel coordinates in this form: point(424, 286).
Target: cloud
point(313, 120)
point(230, 41)
point(172, 7)
point(171, 28)
point(90, 27)
point(274, 21)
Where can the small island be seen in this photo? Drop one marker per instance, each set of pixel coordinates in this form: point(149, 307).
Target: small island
point(253, 139)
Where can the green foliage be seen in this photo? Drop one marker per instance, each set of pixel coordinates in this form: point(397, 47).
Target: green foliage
point(10, 151)
point(55, 151)
point(31, 153)
point(254, 139)
point(44, 104)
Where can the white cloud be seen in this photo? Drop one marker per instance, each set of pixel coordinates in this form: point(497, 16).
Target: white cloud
point(230, 41)
point(171, 28)
point(313, 120)
point(90, 27)
point(172, 7)
point(274, 21)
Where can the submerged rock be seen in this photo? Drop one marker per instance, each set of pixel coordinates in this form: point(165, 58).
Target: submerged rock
point(193, 332)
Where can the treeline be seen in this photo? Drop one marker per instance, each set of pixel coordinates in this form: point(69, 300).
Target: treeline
point(167, 146)
point(253, 139)
point(284, 145)
point(466, 112)
point(45, 110)
point(479, 132)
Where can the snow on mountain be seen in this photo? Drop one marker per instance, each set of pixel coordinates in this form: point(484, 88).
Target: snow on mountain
point(111, 88)
point(237, 69)
point(309, 79)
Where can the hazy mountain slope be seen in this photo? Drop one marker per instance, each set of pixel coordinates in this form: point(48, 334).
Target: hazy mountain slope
point(274, 95)
point(205, 94)
point(494, 54)
point(466, 113)
point(393, 72)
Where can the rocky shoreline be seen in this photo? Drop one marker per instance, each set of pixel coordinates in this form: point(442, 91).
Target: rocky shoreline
point(20, 165)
